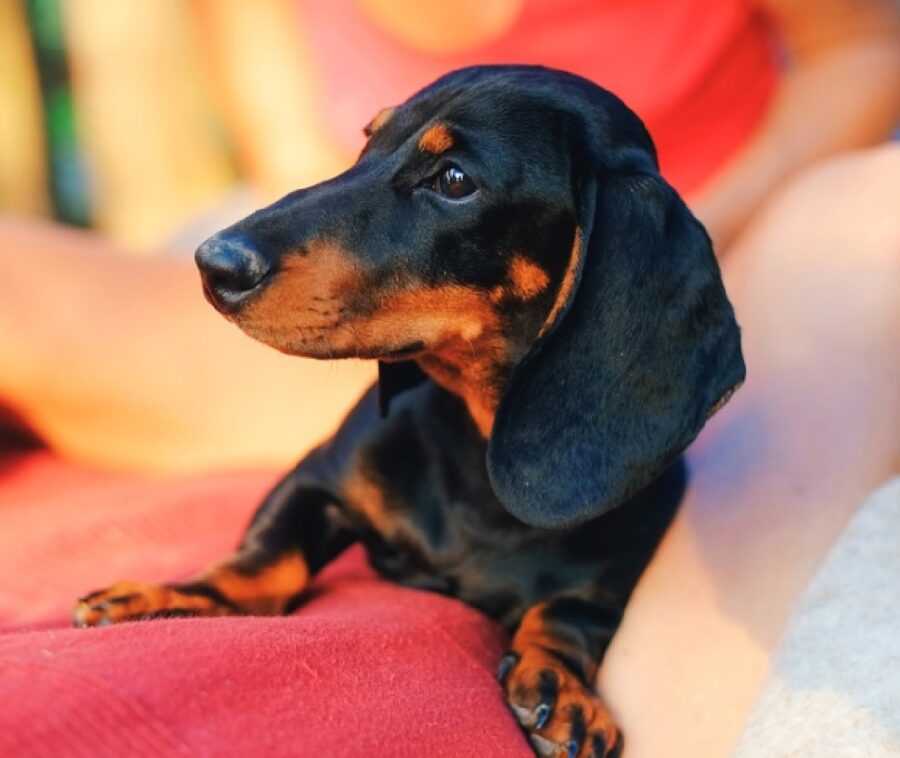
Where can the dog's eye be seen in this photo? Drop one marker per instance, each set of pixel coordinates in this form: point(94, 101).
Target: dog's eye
point(453, 183)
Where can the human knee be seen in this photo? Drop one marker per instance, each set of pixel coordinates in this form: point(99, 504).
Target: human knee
point(841, 211)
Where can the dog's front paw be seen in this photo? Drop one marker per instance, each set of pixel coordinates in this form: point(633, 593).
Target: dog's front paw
point(128, 601)
point(562, 717)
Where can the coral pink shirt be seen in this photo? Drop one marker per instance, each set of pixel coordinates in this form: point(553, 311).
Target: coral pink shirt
point(700, 73)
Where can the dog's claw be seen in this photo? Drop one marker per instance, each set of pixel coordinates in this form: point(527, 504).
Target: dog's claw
point(617, 749)
point(123, 601)
point(505, 666)
point(542, 746)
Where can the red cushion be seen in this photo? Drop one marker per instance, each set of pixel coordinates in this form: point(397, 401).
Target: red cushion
point(364, 668)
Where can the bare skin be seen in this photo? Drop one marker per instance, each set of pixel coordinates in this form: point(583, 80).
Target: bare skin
point(841, 91)
point(120, 362)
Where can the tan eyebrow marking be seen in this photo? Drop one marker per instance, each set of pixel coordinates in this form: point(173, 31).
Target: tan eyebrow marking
point(381, 118)
point(528, 279)
point(436, 139)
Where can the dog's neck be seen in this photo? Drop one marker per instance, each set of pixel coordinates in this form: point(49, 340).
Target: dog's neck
point(474, 380)
point(476, 370)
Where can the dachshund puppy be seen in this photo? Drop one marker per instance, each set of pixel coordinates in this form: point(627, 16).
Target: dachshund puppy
point(551, 330)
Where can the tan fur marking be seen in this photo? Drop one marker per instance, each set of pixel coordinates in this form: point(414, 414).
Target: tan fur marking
point(468, 371)
point(536, 645)
point(381, 118)
point(436, 139)
point(302, 303)
point(462, 330)
point(523, 687)
point(532, 630)
point(365, 496)
point(528, 279)
point(124, 601)
point(567, 287)
point(451, 310)
point(467, 346)
point(303, 311)
point(266, 592)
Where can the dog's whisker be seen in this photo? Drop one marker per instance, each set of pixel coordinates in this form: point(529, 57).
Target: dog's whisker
point(351, 327)
point(322, 340)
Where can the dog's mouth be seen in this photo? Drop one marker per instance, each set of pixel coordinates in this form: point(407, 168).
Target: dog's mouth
point(335, 340)
point(317, 319)
point(404, 353)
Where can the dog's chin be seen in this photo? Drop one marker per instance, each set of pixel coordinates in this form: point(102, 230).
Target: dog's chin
point(329, 345)
point(404, 353)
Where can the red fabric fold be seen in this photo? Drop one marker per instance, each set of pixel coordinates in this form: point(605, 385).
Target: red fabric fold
point(363, 668)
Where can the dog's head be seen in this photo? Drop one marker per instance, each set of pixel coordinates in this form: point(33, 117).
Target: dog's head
point(508, 230)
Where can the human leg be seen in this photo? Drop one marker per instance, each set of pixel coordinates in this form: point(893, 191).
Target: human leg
point(119, 361)
point(776, 475)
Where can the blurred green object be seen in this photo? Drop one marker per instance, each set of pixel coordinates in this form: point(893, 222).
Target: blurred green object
point(69, 189)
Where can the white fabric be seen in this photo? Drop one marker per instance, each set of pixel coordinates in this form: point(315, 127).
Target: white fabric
point(834, 688)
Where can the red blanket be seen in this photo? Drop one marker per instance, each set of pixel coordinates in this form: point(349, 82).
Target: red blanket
point(365, 668)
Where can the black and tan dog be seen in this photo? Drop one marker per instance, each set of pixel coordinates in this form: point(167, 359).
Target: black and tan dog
point(552, 331)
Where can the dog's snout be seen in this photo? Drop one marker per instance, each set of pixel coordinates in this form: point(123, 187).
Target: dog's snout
point(231, 270)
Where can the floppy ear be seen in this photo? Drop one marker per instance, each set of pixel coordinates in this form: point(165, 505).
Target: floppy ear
point(394, 378)
point(641, 353)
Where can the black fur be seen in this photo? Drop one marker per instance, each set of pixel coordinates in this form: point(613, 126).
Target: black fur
point(630, 373)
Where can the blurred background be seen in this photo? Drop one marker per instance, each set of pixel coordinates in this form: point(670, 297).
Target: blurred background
point(136, 118)
point(152, 121)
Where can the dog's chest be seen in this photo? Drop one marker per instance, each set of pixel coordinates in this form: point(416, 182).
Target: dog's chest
point(418, 495)
point(475, 551)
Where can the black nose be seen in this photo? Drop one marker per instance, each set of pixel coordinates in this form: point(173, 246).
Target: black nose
point(231, 270)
